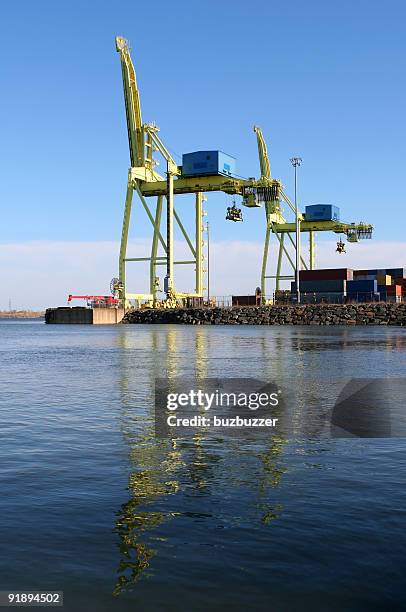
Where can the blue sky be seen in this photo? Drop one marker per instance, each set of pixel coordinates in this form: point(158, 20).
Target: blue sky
point(324, 80)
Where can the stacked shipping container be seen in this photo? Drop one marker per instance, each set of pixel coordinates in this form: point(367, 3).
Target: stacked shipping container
point(337, 285)
point(363, 290)
point(391, 282)
point(328, 285)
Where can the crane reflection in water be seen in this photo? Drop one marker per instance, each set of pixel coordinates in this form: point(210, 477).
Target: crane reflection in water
point(166, 468)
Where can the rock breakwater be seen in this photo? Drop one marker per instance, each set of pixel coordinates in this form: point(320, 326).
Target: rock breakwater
point(308, 314)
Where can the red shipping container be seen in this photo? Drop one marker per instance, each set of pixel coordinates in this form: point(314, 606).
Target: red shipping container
point(245, 300)
point(327, 274)
point(360, 273)
point(394, 290)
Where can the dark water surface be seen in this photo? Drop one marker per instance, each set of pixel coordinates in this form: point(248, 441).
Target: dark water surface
point(93, 504)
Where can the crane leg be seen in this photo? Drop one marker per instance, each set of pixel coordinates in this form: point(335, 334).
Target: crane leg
point(265, 261)
point(169, 288)
point(284, 249)
point(279, 265)
point(123, 245)
point(154, 249)
point(311, 250)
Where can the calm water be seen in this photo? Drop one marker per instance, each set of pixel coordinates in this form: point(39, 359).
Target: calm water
point(92, 504)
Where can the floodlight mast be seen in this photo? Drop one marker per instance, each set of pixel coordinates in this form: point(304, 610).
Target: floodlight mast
point(296, 162)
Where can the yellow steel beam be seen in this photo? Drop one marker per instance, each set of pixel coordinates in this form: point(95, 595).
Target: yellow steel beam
point(196, 184)
point(132, 104)
point(321, 226)
point(138, 296)
point(263, 154)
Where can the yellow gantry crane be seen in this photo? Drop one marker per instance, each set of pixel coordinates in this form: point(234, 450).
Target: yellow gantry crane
point(146, 182)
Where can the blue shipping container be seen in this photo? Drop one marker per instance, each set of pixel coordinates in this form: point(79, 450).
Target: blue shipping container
point(365, 277)
point(362, 286)
point(322, 212)
point(396, 272)
point(202, 163)
point(363, 297)
point(317, 286)
point(328, 298)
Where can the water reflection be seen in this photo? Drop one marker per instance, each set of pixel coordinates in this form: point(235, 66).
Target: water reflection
point(200, 465)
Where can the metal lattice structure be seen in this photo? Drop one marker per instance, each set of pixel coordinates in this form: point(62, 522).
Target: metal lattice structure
point(147, 183)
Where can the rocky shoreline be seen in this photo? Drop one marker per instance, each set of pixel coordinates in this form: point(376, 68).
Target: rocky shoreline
point(21, 314)
point(310, 314)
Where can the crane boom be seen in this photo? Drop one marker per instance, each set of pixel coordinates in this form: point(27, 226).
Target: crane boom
point(263, 155)
point(132, 105)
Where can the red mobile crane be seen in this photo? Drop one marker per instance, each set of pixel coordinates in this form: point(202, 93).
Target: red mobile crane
point(96, 301)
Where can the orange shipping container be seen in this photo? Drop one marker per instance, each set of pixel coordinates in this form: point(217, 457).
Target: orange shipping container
point(384, 279)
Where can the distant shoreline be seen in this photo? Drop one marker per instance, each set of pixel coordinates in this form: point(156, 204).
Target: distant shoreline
point(21, 314)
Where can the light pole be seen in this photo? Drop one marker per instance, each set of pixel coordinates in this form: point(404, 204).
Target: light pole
point(208, 260)
point(296, 161)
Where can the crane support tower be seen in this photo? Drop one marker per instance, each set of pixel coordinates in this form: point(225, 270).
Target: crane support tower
point(147, 183)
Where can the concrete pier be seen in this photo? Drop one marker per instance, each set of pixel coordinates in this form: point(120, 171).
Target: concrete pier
point(79, 315)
